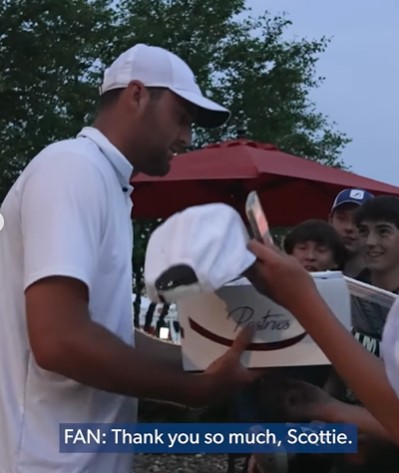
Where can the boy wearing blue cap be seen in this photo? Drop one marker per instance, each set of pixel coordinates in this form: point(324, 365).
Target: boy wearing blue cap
point(341, 218)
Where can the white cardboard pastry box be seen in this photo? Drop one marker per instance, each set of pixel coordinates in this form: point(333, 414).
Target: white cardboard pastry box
point(210, 322)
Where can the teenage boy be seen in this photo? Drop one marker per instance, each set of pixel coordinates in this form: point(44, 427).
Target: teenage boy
point(316, 245)
point(378, 225)
point(342, 219)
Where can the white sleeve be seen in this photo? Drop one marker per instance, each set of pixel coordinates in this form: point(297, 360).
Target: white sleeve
point(390, 346)
point(62, 213)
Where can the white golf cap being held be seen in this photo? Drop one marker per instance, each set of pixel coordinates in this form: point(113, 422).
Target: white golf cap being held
point(157, 67)
point(197, 250)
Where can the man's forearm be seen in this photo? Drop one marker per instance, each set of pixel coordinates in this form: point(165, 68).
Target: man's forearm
point(97, 358)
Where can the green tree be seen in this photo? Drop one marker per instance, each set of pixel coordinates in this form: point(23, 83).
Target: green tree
point(48, 54)
point(52, 54)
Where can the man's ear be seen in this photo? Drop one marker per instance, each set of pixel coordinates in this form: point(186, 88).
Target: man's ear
point(138, 94)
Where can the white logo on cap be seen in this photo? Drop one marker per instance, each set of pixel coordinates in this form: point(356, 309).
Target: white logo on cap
point(356, 194)
point(1, 222)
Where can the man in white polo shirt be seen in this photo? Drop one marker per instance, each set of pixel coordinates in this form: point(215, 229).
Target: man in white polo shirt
point(66, 328)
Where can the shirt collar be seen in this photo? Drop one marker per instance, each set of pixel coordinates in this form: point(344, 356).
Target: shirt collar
point(122, 167)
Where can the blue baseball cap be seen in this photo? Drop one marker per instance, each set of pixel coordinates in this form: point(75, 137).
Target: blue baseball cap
point(351, 196)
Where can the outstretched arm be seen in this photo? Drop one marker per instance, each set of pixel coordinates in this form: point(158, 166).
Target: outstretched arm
point(283, 278)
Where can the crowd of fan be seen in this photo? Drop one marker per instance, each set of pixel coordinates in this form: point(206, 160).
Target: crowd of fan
point(360, 237)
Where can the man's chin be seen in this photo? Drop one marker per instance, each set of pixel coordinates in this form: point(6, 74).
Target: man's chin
point(158, 171)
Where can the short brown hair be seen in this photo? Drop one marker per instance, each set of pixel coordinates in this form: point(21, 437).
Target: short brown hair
point(320, 232)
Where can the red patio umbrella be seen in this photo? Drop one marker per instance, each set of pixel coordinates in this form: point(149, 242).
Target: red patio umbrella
point(291, 189)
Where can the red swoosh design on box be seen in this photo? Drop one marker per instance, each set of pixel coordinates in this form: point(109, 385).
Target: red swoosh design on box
point(267, 346)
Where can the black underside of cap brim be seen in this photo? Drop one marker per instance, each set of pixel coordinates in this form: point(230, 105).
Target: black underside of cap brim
point(211, 118)
point(176, 276)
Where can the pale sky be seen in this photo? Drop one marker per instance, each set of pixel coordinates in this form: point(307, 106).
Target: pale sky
point(361, 67)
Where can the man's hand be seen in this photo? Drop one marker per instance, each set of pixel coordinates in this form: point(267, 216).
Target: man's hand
point(66, 341)
point(227, 372)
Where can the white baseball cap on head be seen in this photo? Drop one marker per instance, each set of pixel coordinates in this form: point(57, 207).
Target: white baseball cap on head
point(197, 250)
point(157, 67)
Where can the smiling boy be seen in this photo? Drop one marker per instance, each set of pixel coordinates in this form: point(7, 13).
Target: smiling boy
point(378, 224)
point(316, 245)
point(377, 221)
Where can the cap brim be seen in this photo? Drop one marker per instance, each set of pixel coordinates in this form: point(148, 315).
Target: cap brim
point(210, 114)
point(345, 202)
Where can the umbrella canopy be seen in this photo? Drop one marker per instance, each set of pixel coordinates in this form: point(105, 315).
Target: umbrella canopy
point(291, 189)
